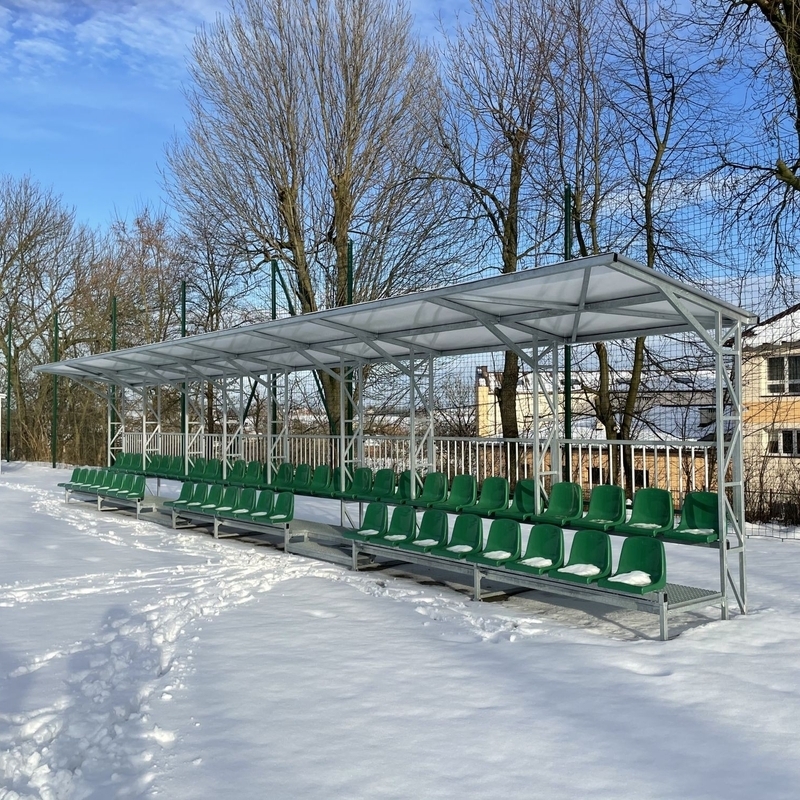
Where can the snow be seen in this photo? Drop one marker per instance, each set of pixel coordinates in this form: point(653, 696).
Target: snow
point(141, 662)
point(460, 548)
point(634, 578)
point(584, 570)
point(537, 561)
point(425, 542)
point(498, 555)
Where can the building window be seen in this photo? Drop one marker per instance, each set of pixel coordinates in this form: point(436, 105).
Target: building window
point(783, 375)
point(784, 443)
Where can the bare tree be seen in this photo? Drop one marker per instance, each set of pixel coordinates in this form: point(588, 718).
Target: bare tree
point(307, 132)
point(493, 133)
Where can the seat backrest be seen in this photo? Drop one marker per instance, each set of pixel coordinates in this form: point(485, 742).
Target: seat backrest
point(247, 498)
point(606, 502)
point(403, 486)
point(321, 479)
point(138, 487)
point(468, 529)
point(433, 524)
point(525, 496)
point(463, 491)
point(285, 474)
point(336, 481)
point(404, 521)
point(376, 518)
point(116, 480)
point(362, 480)
point(81, 477)
point(643, 553)
point(126, 484)
point(383, 485)
point(494, 493)
point(504, 534)
point(200, 493)
point(213, 470)
point(435, 487)
point(302, 476)
point(198, 468)
point(591, 547)
point(237, 470)
point(700, 510)
point(266, 501)
point(214, 496)
point(565, 499)
point(284, 506)
point(186, 491)
point(653, 506)
point(230, 497)
point(252, 473)
point(546, 541)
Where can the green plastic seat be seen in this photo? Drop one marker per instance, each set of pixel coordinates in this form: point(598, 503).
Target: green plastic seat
point(652, 513)
point(283, 509)
point(236, 473)
point(253, 474)
point(199, 496)
point(282, 477)
point(137, 490)
point(375, 523)
point(434, 490)
point(213, 471)
point(100, 480)
point(402, 492)
point(565, 506)
point(121, 488)
point(590, 549)
point(640, 558)
point(432, 531)
point(522, 505)
point(227, 502)
point(335, 487)
point(361, 485)
point(699, 522)
point(212, 499)
point(244, 506)
point(301, 482)
point(264, 506)
point(402, 527)
point(543, 552)
point(502, 545)
point(72, 478)
point(463, 492)
point(382, 485)
point(467, 538)
point(606, 509)
point(320, 480)
point(196, 470)
point(183, 498)
point(494, 497)
point(78, 478)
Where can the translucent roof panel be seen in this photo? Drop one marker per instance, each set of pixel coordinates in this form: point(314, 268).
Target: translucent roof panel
point(583, 300)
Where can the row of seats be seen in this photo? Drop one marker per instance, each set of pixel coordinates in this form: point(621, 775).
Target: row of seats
point(652, 512)
point(641, 567)
point(245, 505)
point(106, 483)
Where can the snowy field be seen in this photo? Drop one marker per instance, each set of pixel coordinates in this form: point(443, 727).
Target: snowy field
point(137, 661)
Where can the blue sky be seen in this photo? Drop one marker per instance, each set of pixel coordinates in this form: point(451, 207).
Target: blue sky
point(90, 92)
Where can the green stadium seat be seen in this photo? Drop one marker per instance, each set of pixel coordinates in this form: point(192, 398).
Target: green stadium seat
point(402, 527)
point(493, 497)
point(334, 489)
point(565, 506)
point(213, 471)
point(227, 501)
point(589, 559)
point(652, 513)
point(403, 491)
point(642, 567)
point(463, 492)
point(244, 506)
point(320, 480)
point(72, 479)
point(606, 509)
point(199, 496)
point(282, 477)
point(434, 490)
point(197, 469)
point(253, 474)
point(301, 481)
point(432, 532)
point(283, 509)
point(212, 499)
point(502, 545)
point(375, 523)
point(467, 538)
point(264, 506)
point(361, 485)
point(122, 489)
point(382, 486)
point(183, 498)
point(699, 522)
point(543, 552)
point(522, 505)
point(236, 473)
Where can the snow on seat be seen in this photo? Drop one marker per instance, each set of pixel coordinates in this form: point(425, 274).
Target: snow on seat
point(639, 556)
point(402, 527)
point(699, 523)
point(503, 544)
point(584, 570)
point(375, 523)
point(606, 508)
point(432, 531)
point(537, 561)
point(652, 513)
point(589, 558)
point(635, 578)
point(467, 537)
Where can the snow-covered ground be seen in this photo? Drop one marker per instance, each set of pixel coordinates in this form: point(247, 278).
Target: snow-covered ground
point(137, 661)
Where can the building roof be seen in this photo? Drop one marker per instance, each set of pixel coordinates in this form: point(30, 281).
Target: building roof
point(781, 329)
point(599, 298)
